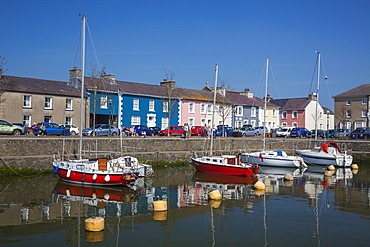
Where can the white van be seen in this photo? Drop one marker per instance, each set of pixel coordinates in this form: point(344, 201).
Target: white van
point(283, 131)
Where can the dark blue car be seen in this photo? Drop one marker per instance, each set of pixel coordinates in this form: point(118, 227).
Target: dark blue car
point(139, 129)
point(300, 132)
point(360, 133)
point(51, 129)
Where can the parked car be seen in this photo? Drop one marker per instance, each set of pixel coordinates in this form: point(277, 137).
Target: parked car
point(249, 132)
point(319, 132)
point(174, 131)
point(224, 131)
point(155, 130)
point(328, 133)
point(283, 132)
point(259, 130)
point(50, 129)
point(101, 130)
point(360, 133)
point(139, 129)
point(24, 127)
point(7, 128)
point(342, 133)
point(300, 132)
point(197, 131)
point(74, 130)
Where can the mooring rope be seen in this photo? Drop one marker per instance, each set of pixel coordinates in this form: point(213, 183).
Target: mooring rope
point(11, 168)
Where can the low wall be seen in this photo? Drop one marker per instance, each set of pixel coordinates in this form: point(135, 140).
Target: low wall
point(37, 152)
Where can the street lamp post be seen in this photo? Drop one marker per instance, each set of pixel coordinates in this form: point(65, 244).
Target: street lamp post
point(110, 115)
point(327, 119)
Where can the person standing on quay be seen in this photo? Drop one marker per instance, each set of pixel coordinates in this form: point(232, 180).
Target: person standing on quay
point(186, 130)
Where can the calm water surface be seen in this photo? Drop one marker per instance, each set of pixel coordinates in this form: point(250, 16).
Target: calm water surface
point(312, 210)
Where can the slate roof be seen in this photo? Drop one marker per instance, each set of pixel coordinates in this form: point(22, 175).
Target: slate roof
point(38, 86)
point(360, 91)
point(292, 103)
point(238, 99)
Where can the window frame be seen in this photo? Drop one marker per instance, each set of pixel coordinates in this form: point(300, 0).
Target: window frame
point(48, 105)
point(136, 104)
point(151, 105)
point(69, 106)
point(27, 99)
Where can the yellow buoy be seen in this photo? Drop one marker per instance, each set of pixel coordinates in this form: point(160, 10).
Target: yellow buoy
point(288, 177)
point(331, 168)
point(214, 203)
point(259, 192)
point(160, 215)
point(215, 195)
point(354, 166)
point(159, 206)
point(94, 224)
point(259, 185)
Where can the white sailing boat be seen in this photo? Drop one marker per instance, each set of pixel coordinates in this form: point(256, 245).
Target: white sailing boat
point(274, 158)
point(328, 153)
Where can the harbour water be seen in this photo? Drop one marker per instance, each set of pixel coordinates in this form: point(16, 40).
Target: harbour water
point(311, 210)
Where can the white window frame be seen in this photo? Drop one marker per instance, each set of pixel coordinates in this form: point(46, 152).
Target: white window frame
point(363, 113)
point(203, 108)
point(294, 113)
point(348, 102)
point(27, 101)
point(69, 104)
point(27, 120)
point(210, 109)
point(295, 124)
point(238, 124)
point(274, 112)
point(135, 104)
point(151, 105)
point(191, 107)
point(135, 120)
point(284, 114)
point(165, 106)
point(164, 122)
point(191, 121)
point(239, 110)
point(253, 123)
point(364, 101)
point(253, 111)
point(103, 102)
point(348, 114)
point(48, 103)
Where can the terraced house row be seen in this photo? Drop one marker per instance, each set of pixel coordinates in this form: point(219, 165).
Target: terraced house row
point(123, 103)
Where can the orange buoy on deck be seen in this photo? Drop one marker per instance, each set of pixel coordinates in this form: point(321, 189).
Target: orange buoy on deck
point(94, 224)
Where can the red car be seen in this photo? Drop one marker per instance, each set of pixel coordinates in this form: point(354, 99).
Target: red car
point(197, 131)
point(174, 131)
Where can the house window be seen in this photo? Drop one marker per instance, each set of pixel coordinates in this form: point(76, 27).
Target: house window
point(191, 122)
point(68, 120)
point(364, 101)
point(27, 120)
point(238, 124)
point(47, 119)
point(283, 115)
point(136, 105)
point(238, 110)
point(135, 120)
point(274, 112)
point(295, 124)
point(151, 105)
point(253, 123)
point(348, 114)
point(349, 102)
point(284, 124)
point(165, 106)
point(294, 114)
point(203, 108)
point(210, 109)
point(69, 104)
point(103, 102)
point(164, 122)
point(26, 100)
point(363, 113)
point(191, 107)
point(203, 121)
point(253, 112)
point(48, 103)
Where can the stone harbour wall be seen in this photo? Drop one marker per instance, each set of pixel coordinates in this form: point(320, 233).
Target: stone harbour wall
point(37, 152)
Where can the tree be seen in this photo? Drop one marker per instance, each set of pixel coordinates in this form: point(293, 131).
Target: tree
point(4, 84)
point(224, 107)
point(169, 101)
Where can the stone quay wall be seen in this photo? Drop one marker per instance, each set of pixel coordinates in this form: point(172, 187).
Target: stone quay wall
point(37, 152)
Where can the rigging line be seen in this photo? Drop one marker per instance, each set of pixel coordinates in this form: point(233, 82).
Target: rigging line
point(259, 83)
point(93, 46)
point(313, 74)
point(76, 51)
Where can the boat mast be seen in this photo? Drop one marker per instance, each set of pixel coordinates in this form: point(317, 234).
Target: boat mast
point(214, 107)
point(265, 107)
point(317, 92)
point(82, 112)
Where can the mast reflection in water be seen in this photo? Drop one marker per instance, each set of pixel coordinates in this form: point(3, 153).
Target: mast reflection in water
point(311, 210)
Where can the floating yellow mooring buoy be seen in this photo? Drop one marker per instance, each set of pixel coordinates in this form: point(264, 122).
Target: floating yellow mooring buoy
point(331, 168)
point(159, 206)
point(214, 203)
point(94, 236)
point(288, 177)
point(259, 185)
point(215, 195)
point(354, 166)
point(94, 224)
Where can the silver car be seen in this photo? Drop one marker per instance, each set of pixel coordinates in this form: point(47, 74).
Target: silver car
point(249, 132)
point(101, 130)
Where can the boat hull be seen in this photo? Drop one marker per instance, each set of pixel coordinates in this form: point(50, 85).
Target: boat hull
point(325, 159)
point(275, 161)
point(95, 178)
point(232, 170)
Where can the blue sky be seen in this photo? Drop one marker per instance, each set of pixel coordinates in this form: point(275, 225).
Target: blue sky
point(140, 40)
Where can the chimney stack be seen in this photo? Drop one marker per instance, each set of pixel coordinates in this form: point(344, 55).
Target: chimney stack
point(111, 78)
point(312, 96)
point(247, 93)
point(170, 83)
point(75, 76)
